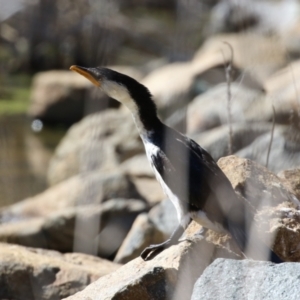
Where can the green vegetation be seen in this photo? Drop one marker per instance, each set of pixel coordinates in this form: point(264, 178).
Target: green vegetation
point(14, 94)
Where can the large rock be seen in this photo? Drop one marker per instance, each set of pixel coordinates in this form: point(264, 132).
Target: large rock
point(216, 140)
point(142, 234)
point(175, 85)
point(149, 189)
point(27, 233)
point(284, 152)
point(54, 92)
point(90, 229)
point(256, 183)
point(164, 217)
point(99, 142)
point(138, 166)
point(142, 176)
point(258, 62)
point(281, 226)
point(30, 274)
point(152, 228)
point(86, 229)
point(259, 16)
point(291, 39)
point(282, 92)
point(170, 275)
point(88, 188)
point(129, 71)
point(209, 110)
point(284, 81)
point(272, 204)
point(247, 279)
point(171, 86)
point(292, 179)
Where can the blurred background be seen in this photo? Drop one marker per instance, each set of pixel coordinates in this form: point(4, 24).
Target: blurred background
point(39, 36)
point(194, 56)
point(40, 40)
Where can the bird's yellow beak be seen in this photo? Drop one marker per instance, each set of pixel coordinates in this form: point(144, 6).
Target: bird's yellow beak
point(85, 72)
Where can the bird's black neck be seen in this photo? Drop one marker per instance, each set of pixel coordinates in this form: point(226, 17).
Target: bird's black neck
point(148, 117)
point(146, 114)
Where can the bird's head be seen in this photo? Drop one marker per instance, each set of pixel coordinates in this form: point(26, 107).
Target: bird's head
point(126, 90)
point(116, 85)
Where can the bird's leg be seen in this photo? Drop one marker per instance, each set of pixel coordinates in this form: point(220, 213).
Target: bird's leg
point(199, 235)
point(153, 250)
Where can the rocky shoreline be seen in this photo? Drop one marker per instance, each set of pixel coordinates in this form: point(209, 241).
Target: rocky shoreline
point(102, 230)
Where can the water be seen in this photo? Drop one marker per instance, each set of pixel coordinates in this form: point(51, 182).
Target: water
point(24, 158)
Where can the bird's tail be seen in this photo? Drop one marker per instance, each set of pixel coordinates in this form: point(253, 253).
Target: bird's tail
point(247, 237)
point(238, 220)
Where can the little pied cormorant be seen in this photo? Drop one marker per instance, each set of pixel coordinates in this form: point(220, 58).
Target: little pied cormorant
point(189, 176)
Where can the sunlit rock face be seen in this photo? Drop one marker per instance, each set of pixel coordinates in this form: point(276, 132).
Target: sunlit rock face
point(257, 16)
point(171, 275)
point(29, 273)
point(99, 142)
point(247, 278)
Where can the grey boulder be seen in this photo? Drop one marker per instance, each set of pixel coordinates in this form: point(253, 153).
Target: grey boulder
point(246, 279)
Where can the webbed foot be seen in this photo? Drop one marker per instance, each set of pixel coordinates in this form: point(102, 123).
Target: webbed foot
point(153, 250)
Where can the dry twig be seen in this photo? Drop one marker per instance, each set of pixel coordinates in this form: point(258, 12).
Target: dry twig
point(272, 135)
point(228, 74)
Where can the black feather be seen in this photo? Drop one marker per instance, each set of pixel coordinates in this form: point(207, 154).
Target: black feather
point(195, 178)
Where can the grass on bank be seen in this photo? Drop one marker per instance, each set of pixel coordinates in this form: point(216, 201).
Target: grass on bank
point(14, 94)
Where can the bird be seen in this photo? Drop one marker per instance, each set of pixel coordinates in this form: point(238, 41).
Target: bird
point(187, 173)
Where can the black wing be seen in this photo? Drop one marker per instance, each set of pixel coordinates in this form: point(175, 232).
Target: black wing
point(193, 175)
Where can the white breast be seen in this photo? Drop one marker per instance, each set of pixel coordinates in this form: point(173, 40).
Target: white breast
point(151, 149)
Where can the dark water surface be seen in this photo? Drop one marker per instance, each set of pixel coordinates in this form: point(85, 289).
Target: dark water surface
point(24, 158)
